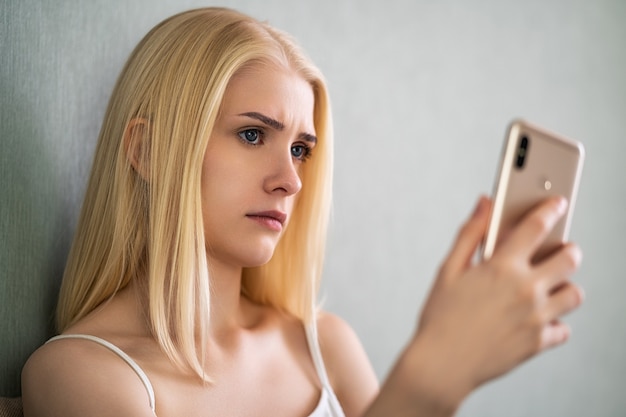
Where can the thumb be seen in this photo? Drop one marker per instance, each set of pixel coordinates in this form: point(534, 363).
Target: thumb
point(467, 240)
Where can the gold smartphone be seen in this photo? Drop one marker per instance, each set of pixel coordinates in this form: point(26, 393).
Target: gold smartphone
point(535, 165)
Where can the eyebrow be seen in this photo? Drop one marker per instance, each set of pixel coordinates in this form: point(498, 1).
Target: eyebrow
point(275, 124)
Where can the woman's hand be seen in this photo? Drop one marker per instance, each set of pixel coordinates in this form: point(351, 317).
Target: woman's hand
point(480, 321)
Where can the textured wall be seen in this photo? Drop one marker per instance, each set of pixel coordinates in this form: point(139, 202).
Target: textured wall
point(422, 92)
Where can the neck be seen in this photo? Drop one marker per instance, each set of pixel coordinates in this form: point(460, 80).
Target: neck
point(230, 311)
point(227, 304)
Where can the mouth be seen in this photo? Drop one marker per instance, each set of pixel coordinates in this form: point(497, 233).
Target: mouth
point(273, 220)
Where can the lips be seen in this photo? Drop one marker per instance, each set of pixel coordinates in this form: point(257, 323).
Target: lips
point(271, 219)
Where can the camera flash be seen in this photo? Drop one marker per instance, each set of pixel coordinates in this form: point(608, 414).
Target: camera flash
point(547, 185)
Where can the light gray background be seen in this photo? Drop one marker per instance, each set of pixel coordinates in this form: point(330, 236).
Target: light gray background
point(422, 92)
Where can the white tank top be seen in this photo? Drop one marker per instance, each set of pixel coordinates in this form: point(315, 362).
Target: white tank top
point(328, 405)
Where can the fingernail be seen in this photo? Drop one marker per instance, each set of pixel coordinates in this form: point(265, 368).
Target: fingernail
point(561, 205)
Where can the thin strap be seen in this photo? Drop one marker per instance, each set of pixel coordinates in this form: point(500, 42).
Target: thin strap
point(314, 346)
point(140, 373)
point(316, 353)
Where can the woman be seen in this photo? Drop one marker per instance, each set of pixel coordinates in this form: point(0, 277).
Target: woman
point(191, 284)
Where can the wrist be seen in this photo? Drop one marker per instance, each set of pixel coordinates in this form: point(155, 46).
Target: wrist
point(430, 380)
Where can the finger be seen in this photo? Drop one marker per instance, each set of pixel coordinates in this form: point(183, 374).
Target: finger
point(554, 334)
point(564, 300)
point(562, 264)
point(469, 237)
point(527, 236)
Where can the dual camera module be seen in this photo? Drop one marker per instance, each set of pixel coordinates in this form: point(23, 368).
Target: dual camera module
point(522, 151)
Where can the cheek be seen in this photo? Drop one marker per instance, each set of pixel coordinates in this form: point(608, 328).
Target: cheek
point(227, 185)
point(217, 185)
point(291, 205)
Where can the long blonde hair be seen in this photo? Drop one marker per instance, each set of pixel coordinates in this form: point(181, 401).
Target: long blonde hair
point(149, 227)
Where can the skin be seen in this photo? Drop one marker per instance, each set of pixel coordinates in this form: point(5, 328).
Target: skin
point(480, 320)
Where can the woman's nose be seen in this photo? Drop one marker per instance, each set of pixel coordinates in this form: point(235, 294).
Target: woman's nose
point(283, 176)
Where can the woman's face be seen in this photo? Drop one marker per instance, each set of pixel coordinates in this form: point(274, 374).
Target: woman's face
point(251, 171)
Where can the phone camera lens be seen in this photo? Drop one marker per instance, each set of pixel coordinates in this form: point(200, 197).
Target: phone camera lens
point(522, 150)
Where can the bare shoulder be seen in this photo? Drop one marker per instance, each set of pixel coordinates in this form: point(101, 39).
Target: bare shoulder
point(73, 377)
point(348, 367)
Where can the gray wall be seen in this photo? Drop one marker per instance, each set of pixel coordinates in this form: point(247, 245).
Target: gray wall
point(422, 92)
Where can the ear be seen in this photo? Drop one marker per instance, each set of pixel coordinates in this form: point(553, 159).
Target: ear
point(137, 145)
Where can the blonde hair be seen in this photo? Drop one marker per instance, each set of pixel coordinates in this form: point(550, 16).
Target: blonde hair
point(151, 229)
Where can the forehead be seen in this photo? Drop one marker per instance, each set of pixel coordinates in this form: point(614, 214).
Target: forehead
point(274, 90)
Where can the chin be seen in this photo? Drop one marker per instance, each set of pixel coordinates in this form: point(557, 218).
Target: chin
point(260, 256)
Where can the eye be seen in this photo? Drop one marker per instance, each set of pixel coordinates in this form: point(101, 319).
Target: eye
point(251, 136)
point(301, 151)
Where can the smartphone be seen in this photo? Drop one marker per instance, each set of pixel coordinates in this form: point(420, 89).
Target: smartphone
point(535, 164)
